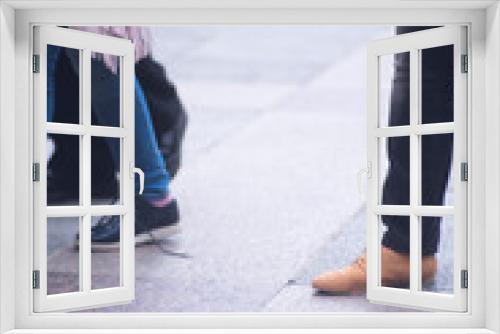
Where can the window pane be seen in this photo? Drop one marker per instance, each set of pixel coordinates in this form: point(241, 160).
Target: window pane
point(437, 84)
point(394, 90)
point(394, 171)
point(394, 237)
point(63, 84)
point(437, 254)
point(105, 171)
point(63, 170)
point(436, 163)
point(105, 89)
point(106, 255)
point(63, 260)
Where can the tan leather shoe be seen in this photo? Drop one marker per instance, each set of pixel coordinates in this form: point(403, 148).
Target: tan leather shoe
point(395, 273)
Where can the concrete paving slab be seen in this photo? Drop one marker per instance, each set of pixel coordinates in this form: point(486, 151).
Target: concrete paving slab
point(252, 229)
point(302, 298)
point(230, 96)
point(247, 53)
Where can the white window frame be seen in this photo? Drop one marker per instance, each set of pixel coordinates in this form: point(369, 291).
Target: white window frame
point(16, 20)
point(414, 43)
point(85, 43)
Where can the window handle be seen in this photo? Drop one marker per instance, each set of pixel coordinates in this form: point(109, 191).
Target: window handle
point(134, 170)
point(361, 172)
point(359, 181)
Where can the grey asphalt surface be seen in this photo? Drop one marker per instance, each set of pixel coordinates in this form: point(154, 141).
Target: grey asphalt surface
point(268, 189)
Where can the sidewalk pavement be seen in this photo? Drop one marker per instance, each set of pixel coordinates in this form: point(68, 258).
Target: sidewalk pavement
point(268, 187)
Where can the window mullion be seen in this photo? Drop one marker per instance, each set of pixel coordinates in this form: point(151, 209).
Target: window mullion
point(85, 105)
point(415, 237)
point(420, 129)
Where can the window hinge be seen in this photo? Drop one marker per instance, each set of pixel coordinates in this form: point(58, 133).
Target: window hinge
point(465, 64)
point(36, 172)
point(36, 63)
point(465, 279)
point(36, 279)
point(464, 171)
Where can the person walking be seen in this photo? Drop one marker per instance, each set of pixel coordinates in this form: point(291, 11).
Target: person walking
point(157, 213)
point(437, 88)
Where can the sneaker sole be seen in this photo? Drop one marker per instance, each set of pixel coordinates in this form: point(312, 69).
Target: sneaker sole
point(157, 234)
point(140, 239)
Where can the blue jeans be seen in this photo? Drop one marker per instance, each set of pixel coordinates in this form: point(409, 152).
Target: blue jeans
point(147, 154)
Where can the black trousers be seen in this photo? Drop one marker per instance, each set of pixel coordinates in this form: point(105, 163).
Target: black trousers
point(437, 107)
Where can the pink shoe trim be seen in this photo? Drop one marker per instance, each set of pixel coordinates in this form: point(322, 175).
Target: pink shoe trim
point(162, 202)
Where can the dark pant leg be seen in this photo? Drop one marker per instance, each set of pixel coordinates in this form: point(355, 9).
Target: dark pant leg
point(437, 106)
point(106, 104)
point(396, 189)
point(437, 150)
point(105, 112)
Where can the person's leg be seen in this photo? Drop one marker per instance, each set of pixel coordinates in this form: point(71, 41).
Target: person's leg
point(167, 112)
point(156, 212)
point(52, 58)
point(437, 150)
point(437, 106)
point(396, 188)
point(105, 88)
point(147, 154)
